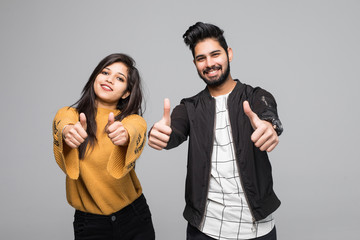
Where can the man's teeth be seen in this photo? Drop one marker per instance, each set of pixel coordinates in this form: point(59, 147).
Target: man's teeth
point(212, 71)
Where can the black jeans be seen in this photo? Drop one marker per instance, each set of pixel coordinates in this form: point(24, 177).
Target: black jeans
point(130, 223)
point(195, 234)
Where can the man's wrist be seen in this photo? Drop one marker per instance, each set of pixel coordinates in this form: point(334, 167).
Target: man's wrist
point(277, 125)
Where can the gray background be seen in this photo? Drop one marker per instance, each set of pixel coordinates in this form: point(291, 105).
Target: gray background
point(305, 52)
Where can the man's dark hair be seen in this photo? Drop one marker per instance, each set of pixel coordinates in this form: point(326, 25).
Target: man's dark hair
point(201, 31)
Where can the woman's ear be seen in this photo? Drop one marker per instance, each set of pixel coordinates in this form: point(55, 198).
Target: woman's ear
point(125, 95)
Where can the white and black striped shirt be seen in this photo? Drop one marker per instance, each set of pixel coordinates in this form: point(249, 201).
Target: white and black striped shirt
point(227, 214)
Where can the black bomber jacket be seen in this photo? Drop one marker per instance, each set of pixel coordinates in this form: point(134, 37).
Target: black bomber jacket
point(195, 117)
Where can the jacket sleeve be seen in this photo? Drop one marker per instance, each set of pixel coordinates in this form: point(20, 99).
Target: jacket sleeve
point(180, 126)
point(67, 158)
point(264, 105)
point(122, 159)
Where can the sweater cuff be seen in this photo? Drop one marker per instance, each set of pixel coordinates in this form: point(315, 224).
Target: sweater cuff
point(66, 157)
point(122, 159)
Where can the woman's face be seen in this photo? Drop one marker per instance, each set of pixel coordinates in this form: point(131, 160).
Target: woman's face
point(110, 85)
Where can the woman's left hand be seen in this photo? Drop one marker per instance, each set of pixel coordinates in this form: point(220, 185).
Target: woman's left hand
point(116, 131)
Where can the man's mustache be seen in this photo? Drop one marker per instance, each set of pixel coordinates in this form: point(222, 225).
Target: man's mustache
point(208, 69)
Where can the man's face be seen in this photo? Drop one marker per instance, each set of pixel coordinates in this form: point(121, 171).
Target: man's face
point(212, 62)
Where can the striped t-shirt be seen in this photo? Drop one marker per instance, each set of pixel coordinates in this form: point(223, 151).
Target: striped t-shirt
point(227, 214)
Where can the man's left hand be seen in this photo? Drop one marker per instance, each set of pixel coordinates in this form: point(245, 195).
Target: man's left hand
point(264, 135)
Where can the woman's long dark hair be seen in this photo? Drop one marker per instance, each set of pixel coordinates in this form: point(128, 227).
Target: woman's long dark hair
point(130, 105)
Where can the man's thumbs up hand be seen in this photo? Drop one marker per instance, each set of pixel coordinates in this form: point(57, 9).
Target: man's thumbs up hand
point(160, 133)
point(166, 116)
point(264, 135)
point(253, 117)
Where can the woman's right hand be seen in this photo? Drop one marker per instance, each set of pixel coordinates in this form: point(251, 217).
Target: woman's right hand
point(76, 134)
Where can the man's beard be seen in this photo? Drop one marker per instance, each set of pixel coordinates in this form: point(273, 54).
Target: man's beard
point(220, 80)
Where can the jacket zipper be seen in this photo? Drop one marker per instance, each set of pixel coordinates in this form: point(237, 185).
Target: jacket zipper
point(240, 175)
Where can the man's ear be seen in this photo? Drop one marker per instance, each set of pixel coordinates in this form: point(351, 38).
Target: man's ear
point(230, 54)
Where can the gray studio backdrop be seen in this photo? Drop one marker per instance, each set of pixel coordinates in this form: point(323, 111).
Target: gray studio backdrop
point(305, 52)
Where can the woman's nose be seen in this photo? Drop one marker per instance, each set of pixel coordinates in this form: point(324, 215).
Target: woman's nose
point(110, 79)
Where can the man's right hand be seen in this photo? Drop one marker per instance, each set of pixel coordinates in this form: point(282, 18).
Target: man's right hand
point(76, 134)
point(160, 133)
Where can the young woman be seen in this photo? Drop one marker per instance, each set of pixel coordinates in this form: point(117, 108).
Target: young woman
point(96, 144)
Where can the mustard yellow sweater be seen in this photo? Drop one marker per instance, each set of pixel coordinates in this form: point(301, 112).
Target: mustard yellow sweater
point(104, 181)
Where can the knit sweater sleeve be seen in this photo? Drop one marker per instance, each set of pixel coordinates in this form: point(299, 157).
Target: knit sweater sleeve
point(122, 159)
point(66, 157)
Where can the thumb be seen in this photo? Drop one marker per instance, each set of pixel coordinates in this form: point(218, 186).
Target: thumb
point(253, 117)
point(83, 121)
point(111, 118)
point(166, 116)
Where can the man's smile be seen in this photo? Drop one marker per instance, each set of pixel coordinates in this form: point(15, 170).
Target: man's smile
point(211, 71)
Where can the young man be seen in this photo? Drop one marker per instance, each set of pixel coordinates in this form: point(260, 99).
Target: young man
point(229, 187)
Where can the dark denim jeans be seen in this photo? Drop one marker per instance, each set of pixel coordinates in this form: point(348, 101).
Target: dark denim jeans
point(130, 223)
point(195, 234)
